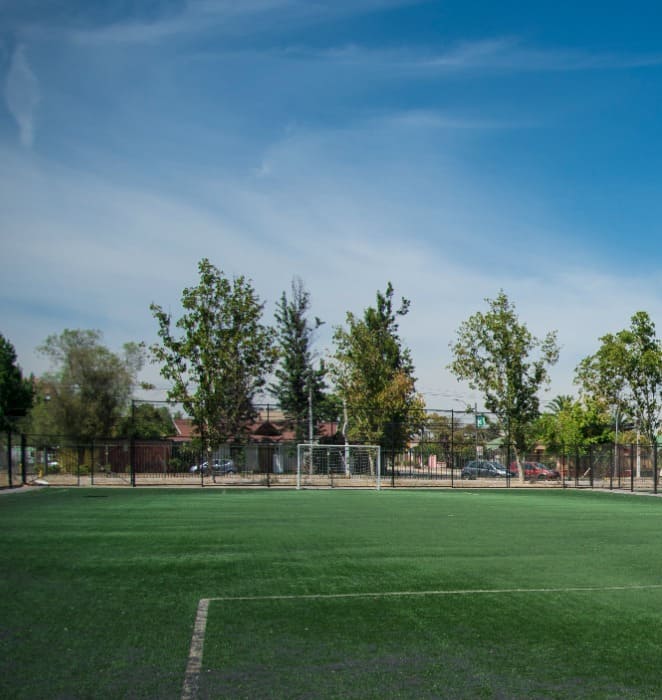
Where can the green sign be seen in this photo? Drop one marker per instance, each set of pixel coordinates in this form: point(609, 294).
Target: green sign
point(480, 421)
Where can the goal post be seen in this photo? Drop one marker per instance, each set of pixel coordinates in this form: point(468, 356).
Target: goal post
point(319, 464)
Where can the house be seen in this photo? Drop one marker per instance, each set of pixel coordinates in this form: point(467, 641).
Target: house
point(184, 430)
point(270, 447)
point(270, 427)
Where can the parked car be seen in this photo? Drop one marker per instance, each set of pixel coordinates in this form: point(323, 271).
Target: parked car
point(483, 469)
point(535, 471)
point(218, 466)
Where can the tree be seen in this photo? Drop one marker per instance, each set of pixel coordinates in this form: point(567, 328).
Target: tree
point(560, 403)
point(299, 387)
point(147, 422)
point(626, 374)
point(89, 386)
point(222, 356)
point(374, 374)
point(573, 424)
point(16, 392)
point(601, 379)
point(498, 356)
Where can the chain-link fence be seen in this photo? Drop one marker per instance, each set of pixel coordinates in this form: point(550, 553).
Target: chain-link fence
point(454, 461)
point(624, 466)
point(28, 459)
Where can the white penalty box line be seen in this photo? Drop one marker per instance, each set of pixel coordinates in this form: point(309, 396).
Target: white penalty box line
point(194, 665)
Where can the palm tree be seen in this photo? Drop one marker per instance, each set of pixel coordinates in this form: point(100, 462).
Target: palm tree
point(560, 403)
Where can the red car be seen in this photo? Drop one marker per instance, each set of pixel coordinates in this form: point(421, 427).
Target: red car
point(534, 471)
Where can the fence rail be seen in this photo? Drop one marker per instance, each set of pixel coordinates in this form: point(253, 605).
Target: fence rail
point(27, 459)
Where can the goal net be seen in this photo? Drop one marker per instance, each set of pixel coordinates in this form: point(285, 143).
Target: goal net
point(321, 464)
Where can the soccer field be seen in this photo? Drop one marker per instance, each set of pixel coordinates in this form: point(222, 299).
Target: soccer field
point(116, 593)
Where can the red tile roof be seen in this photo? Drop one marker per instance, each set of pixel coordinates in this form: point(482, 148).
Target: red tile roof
point(260, 431)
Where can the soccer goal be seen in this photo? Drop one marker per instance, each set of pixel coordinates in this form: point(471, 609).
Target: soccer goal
point(322, 464)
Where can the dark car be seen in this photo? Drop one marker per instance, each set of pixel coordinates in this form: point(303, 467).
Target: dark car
point(484, 469)
point(218, 466)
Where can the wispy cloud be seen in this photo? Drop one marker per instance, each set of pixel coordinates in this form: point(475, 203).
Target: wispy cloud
point(349, 166)
point(229, 17)
point(436, 119)
point(22, 95)
point(509, 53)
point(488, 54)
point(331, 226)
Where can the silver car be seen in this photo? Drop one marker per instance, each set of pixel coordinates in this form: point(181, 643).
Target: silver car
point(484, 469)
point(218, 467)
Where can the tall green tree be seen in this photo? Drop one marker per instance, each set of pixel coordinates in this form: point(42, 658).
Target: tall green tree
point(298, 386)
point(16, 392)
point(497, 355)
point(218, 355)
point(601, 379)
point(626, 373)
point(89, 386)
point(374, 375)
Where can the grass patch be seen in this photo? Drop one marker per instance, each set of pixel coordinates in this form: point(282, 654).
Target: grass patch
point(98, 595)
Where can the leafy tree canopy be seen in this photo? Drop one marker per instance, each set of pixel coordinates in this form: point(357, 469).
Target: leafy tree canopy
point(16, 392)
point(625, 373)
point(298, 386)
point(147, 422)
point(218, 355)
point(573, 424)
point(498, 356)
point(374, 374)
point(89, 386)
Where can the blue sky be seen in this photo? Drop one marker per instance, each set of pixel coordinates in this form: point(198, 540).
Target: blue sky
point(453, 148)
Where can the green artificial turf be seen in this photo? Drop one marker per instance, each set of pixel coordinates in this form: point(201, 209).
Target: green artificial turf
point(99, 591)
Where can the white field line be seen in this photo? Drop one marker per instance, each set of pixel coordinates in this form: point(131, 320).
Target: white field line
point(192, 676)
point(474, 591)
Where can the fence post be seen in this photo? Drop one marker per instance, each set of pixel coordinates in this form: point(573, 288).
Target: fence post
point(655, 475)
point(576, 472)
point(24, 455)
point(132, 455)
point(91, 465)
point(9, 465)
point(452, 455)
point(631, 469)
point(132, 444)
